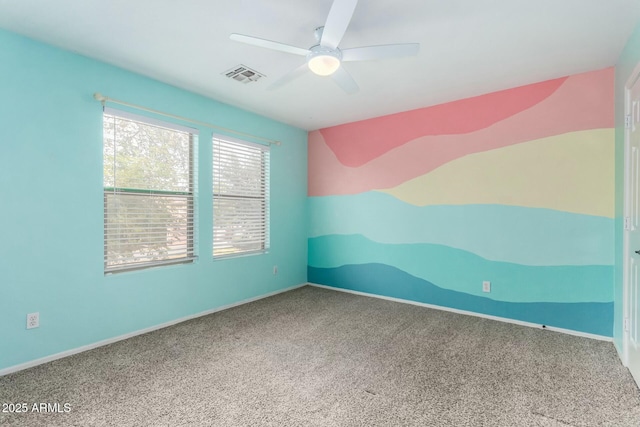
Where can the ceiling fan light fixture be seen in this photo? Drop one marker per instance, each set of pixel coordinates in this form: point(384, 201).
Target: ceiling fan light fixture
point(324, 65)
point(323, 61)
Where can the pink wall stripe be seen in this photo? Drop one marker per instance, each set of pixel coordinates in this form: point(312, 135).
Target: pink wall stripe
point(570, 108)
point(369, 139)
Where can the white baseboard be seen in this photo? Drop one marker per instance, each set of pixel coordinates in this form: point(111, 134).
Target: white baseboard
point(471, 313)
point(621, 354)
point(50, 358)
point(87, 347)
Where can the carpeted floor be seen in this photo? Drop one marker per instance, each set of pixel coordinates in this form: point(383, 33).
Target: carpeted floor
point(324, 358)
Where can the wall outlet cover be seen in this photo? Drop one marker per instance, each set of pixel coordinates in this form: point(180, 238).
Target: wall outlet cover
point(486, 286)
point(33, 320)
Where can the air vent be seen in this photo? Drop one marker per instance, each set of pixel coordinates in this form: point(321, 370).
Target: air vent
point(243, 74)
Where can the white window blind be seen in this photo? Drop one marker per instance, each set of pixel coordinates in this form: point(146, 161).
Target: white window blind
point(148, 192)
point(240, 197)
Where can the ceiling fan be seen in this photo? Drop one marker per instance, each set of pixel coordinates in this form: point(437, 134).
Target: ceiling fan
point(325, 58)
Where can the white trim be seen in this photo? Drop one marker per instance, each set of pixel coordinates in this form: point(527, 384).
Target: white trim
point(624, 351)
point(46, 359)
point(626, 284)
point(471, 313)
point(620, 352)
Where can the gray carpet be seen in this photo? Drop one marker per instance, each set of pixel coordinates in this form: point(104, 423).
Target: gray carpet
point(323, 358)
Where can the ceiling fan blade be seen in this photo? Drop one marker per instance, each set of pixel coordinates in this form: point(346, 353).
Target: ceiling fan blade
point(337, 22)
point(345, 81)
point(291, 75)
point(380, 52)
point(269, 44)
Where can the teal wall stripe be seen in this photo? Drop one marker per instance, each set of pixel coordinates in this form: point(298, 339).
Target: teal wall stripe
point(528, 236)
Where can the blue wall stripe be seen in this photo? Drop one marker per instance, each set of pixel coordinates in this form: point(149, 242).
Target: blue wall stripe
point(590, 317)
point(462, 271)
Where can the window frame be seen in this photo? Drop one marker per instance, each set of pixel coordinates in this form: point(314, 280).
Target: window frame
point(190, 195)
point(265, 166)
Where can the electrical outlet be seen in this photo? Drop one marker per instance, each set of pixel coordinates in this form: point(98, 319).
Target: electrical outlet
point(275, 270)
point(486, 286)
point(33, 320)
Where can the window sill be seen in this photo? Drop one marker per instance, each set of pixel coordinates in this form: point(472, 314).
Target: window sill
point(240, 255)
point(147, 267)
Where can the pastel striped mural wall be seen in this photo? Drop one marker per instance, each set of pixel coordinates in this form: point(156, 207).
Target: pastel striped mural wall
point(515, 187)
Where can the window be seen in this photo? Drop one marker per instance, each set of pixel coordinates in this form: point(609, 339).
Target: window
point(240, 197)
point(148, 192)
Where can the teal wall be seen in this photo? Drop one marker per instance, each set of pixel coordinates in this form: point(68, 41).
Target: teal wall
point(51, 256)
point(628, 60)
point(422, 206)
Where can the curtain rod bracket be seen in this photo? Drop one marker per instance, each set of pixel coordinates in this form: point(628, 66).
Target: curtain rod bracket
point(100, 97)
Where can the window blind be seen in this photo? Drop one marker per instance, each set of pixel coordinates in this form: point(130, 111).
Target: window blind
point(240, 197)
point(148, 192)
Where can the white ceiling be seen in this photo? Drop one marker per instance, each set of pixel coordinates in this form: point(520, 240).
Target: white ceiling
point(468, 47)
